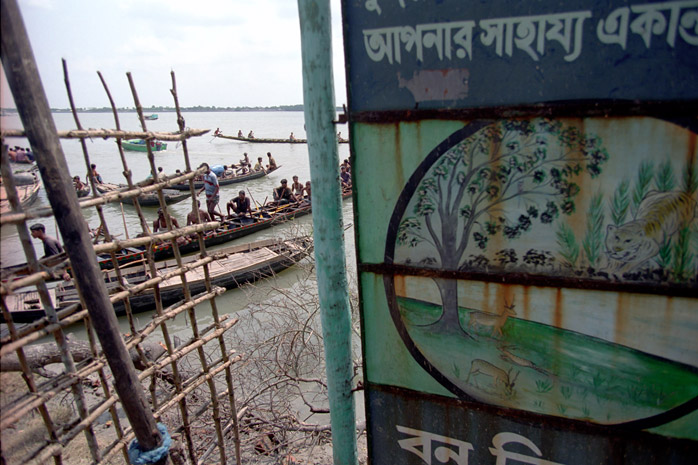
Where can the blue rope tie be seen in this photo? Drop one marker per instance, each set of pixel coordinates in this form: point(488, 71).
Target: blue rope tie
point(143, 457)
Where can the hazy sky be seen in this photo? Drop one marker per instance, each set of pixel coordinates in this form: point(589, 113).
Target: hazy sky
point(223, 52)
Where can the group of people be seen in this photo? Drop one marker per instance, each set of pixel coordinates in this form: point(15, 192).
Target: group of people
point(80, 186)
point(19, 154)
point(250, 135)
point(296, 193)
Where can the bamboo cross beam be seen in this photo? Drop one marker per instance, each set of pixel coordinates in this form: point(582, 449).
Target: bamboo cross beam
point(44, 212)
point(116, 134)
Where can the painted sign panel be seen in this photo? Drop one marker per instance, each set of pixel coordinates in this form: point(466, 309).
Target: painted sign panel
point(545, 269)
point(408, 54)
point(529, 284)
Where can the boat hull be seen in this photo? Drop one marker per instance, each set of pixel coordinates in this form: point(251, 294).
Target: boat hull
point(272, 257)
point(139, 146)
point(224, 181)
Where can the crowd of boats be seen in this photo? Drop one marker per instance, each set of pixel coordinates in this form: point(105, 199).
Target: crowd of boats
point(231, 266)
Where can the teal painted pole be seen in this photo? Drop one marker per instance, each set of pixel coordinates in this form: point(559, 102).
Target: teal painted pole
point(319, 105)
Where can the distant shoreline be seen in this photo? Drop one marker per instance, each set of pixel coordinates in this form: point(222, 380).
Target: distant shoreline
point(6, 111)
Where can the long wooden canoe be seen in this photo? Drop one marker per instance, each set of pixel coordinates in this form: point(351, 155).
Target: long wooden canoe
point(232, 267)
point(255, 140)
point(226, 180)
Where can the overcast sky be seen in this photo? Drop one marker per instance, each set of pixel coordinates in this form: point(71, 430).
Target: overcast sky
point(225, 53)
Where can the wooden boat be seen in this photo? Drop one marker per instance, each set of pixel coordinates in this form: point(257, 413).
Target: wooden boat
point(255, 140)
point(139, 145)
point(230, 229)
point(232, 266)
point(27, 192)
point(149, 199)
point(152, 117)
point(226, 180)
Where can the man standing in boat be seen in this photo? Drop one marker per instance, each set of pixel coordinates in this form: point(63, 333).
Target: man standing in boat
point(272, 163)
point(211, 188)
point(51, 245)
point(239, 205)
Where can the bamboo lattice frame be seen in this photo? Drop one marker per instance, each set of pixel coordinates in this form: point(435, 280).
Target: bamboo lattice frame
point(214, 371)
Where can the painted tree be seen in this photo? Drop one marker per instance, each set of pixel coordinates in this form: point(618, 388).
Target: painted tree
point(466, 194)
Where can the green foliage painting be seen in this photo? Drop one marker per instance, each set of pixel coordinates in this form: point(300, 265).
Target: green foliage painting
point(464, 199)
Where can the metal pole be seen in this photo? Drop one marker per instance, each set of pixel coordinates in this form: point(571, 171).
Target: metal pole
point(32, 105)
point(319, 107)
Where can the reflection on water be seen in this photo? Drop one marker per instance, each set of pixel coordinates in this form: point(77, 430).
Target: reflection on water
point(122, 220)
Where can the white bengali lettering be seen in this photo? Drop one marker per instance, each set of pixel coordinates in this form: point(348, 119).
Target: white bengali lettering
point(651, 19)
point(383, 43)
point(614, 29)
point(444, 38)
point(421, 445)
point(529, 33)
point(688, 29)
point(372, 5)
point(501, 439)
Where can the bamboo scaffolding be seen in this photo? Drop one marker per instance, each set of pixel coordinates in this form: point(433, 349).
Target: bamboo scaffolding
point(94, 306)
point(21, 406)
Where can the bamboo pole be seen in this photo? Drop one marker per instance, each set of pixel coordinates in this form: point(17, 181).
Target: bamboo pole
point(319, 108)
point(116, 134)
point(23, 78)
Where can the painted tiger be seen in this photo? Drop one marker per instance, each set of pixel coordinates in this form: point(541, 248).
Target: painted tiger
point(659, 216)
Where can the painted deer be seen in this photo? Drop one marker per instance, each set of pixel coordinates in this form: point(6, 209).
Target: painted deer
point(492, 320)
point(499, 376)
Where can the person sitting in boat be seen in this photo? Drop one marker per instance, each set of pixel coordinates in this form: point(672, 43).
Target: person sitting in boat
point(212, 190)
point(245, 160)
point(240, 133)
point(292, 137)
point(21, 155)
point(29, 154)
point(217, 132)
point(11, 153)
point(160, 223)
point(259, 166)
point(297, 189)
point(308, 194)
point(282, 194)
point(345, 178)
point(202, 217)
point(228, 171)
point(79, 185)
point(95, 174)
point(240, 205)
point(250, 135)
point(272, 163)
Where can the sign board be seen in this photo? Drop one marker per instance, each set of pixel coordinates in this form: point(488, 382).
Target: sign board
point(529, 284)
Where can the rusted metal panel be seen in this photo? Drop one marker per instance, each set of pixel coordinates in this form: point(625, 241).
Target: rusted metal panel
point(529, 281)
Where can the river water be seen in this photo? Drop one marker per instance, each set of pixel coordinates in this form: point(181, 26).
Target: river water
point(292, 158)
